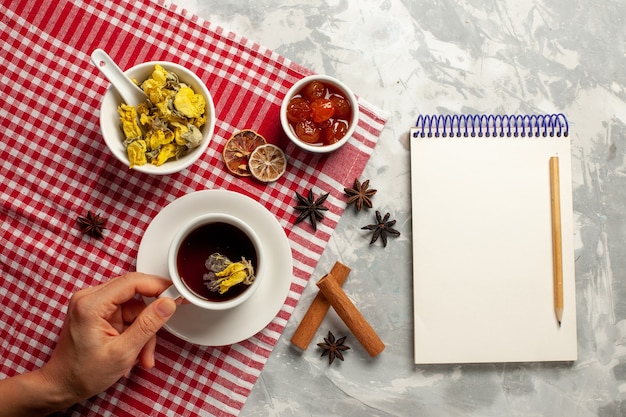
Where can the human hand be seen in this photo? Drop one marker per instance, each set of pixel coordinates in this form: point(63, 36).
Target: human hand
point(106, 332)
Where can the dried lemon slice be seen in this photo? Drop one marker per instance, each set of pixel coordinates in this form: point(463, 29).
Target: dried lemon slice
point(267, 163)
point(238, 149)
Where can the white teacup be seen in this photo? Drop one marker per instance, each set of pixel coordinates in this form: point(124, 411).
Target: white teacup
point(195, 242)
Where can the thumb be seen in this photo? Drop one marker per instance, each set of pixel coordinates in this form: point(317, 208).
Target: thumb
point(149, 321)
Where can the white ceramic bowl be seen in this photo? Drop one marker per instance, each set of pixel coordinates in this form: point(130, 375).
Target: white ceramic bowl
point(346, 92)
point(112, 131)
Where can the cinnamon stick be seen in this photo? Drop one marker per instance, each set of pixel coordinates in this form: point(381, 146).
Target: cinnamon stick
point(318, 309)
point(351, 316)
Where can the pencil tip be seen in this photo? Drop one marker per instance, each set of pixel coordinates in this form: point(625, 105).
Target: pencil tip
point(559, 323)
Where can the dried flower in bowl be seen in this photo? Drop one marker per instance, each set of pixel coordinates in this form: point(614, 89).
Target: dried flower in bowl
point(166, 126)
point(158, 148)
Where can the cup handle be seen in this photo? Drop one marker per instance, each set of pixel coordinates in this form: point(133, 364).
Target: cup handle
point(172, 292)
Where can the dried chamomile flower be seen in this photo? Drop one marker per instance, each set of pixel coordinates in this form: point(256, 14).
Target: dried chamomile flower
point(168, 125)
point(224, 274)
point(188, 103)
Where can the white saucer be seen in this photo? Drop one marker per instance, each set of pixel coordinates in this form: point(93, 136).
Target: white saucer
point(219, 328)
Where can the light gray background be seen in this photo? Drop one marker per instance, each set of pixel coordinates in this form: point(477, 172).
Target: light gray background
point(482, 56)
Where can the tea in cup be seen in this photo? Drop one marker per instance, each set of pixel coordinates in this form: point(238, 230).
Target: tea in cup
point(215, 262)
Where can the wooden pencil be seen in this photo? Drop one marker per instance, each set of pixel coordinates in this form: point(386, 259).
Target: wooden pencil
point(557, 251)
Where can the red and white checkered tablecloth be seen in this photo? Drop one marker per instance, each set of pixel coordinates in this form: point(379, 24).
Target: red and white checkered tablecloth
point(54, 166)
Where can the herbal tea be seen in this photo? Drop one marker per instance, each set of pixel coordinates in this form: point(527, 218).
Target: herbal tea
point(198, 247)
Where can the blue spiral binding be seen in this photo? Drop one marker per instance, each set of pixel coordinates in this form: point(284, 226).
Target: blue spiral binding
point(480, 125)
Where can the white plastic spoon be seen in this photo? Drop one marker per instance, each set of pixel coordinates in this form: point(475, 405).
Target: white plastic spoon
point(131, 94)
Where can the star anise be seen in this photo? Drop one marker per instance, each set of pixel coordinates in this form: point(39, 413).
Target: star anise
point(333, 348)
point(311, 208)
point(92, 225)
point(382, 228)
point(360, 194)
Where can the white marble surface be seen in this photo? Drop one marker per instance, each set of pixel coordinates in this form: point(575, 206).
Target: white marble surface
point(410, 57)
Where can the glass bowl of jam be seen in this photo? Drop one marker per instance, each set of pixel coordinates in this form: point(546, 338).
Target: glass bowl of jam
point(319, 113)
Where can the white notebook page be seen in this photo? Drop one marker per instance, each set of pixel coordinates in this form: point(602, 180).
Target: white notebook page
point(482, 250)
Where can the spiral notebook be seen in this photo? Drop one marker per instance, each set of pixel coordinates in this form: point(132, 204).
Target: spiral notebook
point(484, 288)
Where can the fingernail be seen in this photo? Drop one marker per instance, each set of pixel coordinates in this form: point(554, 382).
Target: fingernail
point(166, 307)
point(150, 363)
